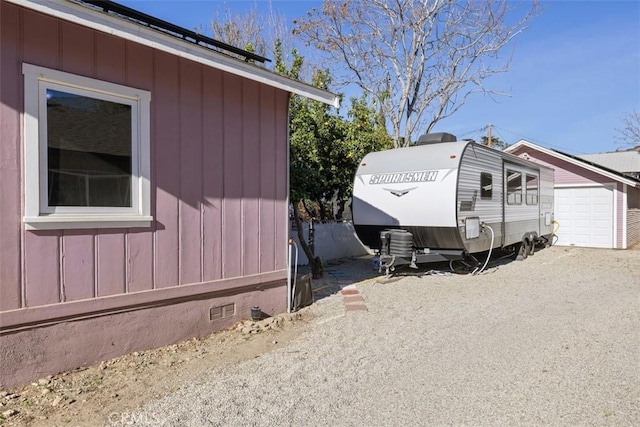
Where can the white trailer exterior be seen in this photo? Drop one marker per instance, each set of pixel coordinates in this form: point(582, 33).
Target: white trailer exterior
point(446, 194)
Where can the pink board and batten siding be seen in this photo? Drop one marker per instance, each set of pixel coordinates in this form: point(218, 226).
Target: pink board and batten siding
point(219, 185)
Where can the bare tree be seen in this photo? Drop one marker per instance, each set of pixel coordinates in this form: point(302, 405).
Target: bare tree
point(255, 31)
point(630, 133)
point(420, 59)
point(240, 30)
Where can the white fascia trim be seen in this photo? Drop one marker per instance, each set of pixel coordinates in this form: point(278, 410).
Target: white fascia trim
point(523, 143)
point(82, 15)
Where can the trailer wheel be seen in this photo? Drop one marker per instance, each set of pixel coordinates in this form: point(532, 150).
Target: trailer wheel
point(523, 251)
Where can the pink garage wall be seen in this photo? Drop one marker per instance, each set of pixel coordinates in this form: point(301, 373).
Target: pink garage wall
point(565, 173)
point(219, 175)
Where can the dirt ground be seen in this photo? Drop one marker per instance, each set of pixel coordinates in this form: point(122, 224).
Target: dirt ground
point(103, 394)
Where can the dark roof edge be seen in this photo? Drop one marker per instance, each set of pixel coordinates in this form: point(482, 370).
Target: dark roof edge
point(171, 29)
point(128, 29)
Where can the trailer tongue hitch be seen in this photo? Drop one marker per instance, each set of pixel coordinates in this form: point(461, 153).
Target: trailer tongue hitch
point(387, 262)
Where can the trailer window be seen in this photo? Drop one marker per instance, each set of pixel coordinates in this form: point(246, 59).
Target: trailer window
point(514, 187)
point(486, 186)
point(532, 189)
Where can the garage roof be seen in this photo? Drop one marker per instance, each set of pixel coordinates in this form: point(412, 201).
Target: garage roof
point(621, 161)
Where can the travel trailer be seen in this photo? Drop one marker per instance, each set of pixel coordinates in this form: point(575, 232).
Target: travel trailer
point(443, 200)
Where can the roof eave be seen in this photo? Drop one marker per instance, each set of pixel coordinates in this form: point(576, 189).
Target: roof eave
point(69, 10)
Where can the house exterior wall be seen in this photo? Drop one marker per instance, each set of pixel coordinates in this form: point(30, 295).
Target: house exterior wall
point(219, 199)
point(633, 198)
point(568, 174)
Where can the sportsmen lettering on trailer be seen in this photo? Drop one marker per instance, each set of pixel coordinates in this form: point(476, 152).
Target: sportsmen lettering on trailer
point(399, 178)
point(438, 201)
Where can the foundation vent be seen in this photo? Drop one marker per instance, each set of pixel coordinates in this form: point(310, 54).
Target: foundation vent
point(222, 311)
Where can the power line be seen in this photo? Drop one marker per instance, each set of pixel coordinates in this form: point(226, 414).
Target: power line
point(519, 135)
point(500, 135)
point(477, 134)
point(539, 142)
point(474, 132)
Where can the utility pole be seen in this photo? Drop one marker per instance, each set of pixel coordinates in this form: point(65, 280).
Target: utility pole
point(489, 142)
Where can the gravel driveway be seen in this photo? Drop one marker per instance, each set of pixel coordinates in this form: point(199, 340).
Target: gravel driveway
point(552, 340)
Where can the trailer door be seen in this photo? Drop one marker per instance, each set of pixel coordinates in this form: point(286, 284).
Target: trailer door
point(521, 202)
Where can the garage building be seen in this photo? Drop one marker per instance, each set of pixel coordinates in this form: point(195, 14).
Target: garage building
point(594, 206)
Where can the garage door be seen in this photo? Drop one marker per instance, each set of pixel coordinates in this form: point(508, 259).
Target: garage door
point(585, 215)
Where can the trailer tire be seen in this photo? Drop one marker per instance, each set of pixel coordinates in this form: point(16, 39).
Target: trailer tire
point(522, 251)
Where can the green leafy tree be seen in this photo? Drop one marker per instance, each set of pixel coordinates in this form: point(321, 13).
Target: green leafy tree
point(311, 127)
point(326, 149)
point(366, 132)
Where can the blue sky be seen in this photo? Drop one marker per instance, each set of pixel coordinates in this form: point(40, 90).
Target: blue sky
point(574, 74)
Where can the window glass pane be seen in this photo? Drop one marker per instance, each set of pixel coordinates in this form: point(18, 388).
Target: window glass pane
point(514, 187)
point(89, 151)
point(532, 189)
point(486, 185)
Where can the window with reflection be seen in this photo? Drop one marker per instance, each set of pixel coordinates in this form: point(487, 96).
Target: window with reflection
point(514, 187)
point(532, 189)
point(88, 151)
point(486, 186)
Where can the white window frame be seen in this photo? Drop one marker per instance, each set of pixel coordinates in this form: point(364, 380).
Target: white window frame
point(38, 214)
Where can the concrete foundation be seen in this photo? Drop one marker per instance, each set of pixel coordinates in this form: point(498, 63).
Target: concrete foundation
point(31, 353)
